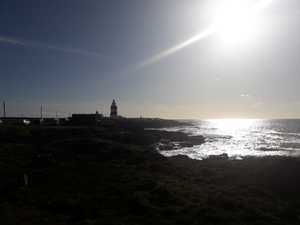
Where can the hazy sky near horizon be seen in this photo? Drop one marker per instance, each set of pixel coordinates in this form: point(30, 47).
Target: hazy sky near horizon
point(77, 55)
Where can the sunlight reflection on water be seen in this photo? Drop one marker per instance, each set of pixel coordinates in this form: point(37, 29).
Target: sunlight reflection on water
point(239, 138)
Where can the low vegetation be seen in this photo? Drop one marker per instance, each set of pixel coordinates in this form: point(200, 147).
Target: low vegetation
point(112, 176)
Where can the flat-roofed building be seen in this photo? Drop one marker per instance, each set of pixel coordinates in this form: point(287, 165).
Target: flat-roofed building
point(86, 119)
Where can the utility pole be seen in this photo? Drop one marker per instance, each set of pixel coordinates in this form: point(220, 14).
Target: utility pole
point(41, 112)
point(56, 118)
point(4, 110)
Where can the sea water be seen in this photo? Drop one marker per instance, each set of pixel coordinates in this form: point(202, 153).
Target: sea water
point(240, 138)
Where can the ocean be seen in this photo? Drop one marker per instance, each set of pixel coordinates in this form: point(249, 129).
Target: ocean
point(240, 138)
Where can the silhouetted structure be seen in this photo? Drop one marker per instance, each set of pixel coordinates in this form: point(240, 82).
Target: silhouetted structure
point(17, 120)
point(4, 110)
point(49, 121)
point(41, 113)
point(114, 109)
point(86, 119)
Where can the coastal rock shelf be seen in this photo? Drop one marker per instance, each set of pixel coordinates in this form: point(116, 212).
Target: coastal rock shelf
point(113, 176)
point(178, 142)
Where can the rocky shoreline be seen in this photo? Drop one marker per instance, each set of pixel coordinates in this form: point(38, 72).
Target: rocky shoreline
point(113, 176)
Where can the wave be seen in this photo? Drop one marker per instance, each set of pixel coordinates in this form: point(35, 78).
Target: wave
point(250, 138)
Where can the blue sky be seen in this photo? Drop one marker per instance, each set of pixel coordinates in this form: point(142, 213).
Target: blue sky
point(77, 55)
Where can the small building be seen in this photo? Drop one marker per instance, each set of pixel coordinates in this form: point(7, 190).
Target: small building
point(15, 121)
point(86, 119)
point(49, 121)
point(114, 110)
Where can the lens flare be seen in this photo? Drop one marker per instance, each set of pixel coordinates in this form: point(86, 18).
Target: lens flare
point(171, 51)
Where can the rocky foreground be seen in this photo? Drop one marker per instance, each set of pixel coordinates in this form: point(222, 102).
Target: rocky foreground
point(113, 176)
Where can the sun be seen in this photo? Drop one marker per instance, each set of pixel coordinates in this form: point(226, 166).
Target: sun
point(236, 21)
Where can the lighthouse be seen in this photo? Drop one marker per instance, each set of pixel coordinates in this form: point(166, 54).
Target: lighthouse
point(113, 109)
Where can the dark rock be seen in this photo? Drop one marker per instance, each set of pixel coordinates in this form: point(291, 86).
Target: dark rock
point(111, 176)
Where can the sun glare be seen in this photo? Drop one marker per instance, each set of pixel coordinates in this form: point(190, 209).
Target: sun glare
point(236, 21)
point(233, 125)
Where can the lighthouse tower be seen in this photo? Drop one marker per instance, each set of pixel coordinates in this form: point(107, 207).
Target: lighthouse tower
point(114, 109)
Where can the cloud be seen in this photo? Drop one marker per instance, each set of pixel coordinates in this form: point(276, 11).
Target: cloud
point(13, 41)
